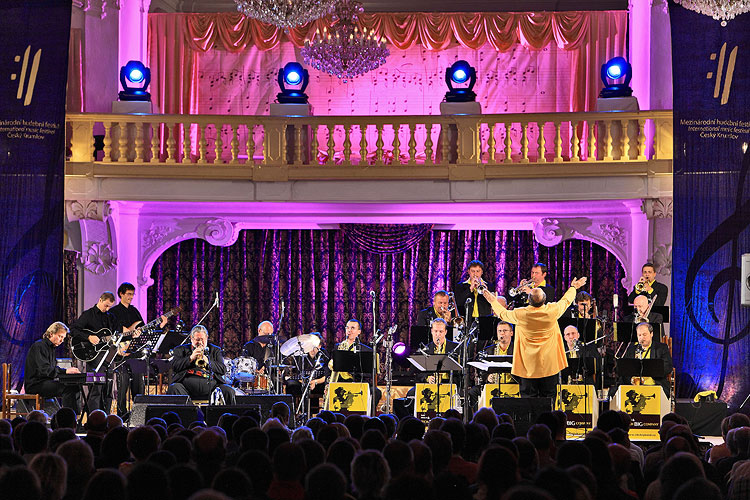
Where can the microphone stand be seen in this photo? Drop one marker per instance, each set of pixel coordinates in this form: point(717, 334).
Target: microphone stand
point(309, 381)
point(277, 351)
point(374, 381)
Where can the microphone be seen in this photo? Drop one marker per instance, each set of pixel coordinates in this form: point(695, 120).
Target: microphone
point(372, 294)
point(468, 301)
point(638, 349)
point(216, 300)
point(379, 337)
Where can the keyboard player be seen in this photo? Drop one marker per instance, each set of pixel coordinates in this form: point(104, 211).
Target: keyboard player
point(41, 370)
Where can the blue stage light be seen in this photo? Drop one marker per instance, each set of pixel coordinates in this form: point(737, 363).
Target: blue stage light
point(134, 78)
point(613, 70)
point(460, 72)
point(293, 74)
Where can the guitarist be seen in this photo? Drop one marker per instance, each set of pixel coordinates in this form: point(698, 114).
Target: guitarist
point(127, 318)
point(84, 330)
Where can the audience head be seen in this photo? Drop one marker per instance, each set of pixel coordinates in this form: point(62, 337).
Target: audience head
point(325, 482)
point(370, 474)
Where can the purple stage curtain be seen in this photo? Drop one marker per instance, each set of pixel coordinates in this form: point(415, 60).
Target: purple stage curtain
point(385, 238)
point(324, 279)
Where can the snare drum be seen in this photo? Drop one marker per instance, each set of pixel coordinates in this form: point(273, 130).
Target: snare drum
point(262, 383)
point(244, 369)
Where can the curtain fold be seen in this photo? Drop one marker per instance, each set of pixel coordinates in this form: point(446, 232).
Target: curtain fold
point(324, 278)
point(385, 238)
point(75, 90)
point(594, 37)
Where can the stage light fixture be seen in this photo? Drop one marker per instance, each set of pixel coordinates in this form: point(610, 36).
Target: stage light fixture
point(293, 75)
point(459, 73)
point(613, 70)
point(400, 349)
point(135, 77)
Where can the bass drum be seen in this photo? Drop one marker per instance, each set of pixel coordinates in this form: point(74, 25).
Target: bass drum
point(244, 370)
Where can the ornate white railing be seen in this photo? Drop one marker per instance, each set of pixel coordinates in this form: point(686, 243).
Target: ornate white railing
point(343, 141)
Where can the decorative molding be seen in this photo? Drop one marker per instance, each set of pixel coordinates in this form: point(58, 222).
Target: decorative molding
point(657, 208)
point(87, 210)
point(613, 233)
point(98, 258)
point(609, 233)
point(156, 233)
point(96, 8)
point(218, 232)
point(662, 259)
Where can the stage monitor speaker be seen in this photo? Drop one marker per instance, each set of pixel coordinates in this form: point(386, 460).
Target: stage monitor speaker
point(214, 413)
point(266, 401)
point(704, 418)
point(524, 411)
point(745, 280)
point(403, 407)
point(163, 399)
point(187, 414)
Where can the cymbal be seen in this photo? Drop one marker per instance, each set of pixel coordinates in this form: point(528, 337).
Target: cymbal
point(302, 344)
point(264, 339)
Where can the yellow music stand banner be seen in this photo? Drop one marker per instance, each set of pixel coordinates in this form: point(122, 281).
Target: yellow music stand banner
point(349, 397)
point(426, 399)
point(646, 405)
point(581, 407)
point(490, 391)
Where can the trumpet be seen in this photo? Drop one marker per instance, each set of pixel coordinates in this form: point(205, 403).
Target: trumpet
point(202, 361)
point(641, 285)
point(523, 284)
point(480, 286)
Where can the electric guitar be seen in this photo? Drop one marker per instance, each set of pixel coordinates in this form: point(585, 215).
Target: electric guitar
point(84, 350)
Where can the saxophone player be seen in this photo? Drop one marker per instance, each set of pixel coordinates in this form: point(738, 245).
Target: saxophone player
point(198, 368)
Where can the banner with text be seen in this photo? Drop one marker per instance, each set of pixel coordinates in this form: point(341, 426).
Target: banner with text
point(33, 71)
point(711, 202)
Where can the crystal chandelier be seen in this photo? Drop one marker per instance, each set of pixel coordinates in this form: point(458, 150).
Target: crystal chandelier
point(345, 52)
point(721, 10)
point(286, 14)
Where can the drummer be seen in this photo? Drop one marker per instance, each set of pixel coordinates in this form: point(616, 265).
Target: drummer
point(258, 347)
point(314, 359)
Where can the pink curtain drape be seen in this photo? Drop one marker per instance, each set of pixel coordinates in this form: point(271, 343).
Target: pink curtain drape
point(595, 36)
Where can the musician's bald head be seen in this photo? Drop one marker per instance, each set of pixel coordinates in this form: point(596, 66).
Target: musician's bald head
point(537, 297)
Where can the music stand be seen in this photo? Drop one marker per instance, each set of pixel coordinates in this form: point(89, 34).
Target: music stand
point(584, 365)
point(625, 331)
point(146, 342)
point(494, 364)
point(628, 368)
point(168, 340)
point(352, 362)
point(586, 327)
point(487, 328)
point(435, 363)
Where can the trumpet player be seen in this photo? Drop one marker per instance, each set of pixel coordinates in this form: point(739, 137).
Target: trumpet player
point(198, 368)
point(649, 287)
point(469, 293)
point(538, 280)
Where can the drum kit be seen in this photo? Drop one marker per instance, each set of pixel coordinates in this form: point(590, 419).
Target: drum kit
point(243, 372)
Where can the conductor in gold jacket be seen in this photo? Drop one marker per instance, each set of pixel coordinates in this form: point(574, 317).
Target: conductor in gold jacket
point(539, 354)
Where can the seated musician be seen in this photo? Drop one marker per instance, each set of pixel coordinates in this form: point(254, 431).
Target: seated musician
point(197, 373)
point(642, 312)
point(648, 348)
point(439, 309)
point(316, 360)
point(575, 349)
point(439, 345)
point(501, 346)
point(258, 348)
point(469, 291)
point(41, 370)
point(351, 343)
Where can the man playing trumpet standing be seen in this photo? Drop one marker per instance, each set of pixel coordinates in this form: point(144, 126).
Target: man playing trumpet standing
point(471, 290)
point(539, 353)
point(198, 368)
point(648, 286)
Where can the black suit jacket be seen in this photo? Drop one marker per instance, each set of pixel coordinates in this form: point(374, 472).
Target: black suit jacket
point(659, 289)
point(425, 316)
point(462, 293)
point(658, 351)
point(181, 362)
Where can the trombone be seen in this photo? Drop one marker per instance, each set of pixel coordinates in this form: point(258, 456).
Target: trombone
point(457, 321)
